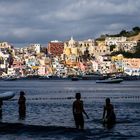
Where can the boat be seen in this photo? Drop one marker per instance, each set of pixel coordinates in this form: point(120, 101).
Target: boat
point(7, 95)
point(110, 80)
point(10, 79)
point(74, 78)
point(43, 77)
point(130, 78)
point(92, 76)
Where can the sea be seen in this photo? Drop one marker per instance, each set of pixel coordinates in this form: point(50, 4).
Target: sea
point(49, 110)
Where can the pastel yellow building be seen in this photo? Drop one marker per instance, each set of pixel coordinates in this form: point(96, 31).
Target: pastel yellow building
point(67, 51)
point(117, 58)
point(74, 51)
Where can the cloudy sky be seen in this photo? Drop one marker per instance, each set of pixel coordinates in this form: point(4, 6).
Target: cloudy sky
point(32, 21)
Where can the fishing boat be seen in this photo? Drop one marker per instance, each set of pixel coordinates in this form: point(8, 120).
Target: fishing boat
point(110, 80)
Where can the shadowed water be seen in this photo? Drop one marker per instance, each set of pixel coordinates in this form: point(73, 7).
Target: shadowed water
point(49, 110)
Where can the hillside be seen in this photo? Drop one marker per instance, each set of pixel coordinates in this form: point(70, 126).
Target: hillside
point(133, 34)
point(134, 38)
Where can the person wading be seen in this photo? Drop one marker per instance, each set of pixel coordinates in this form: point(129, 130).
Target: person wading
point(78, 111)
point(1, 103)
point(22, 105)
point(109, 116)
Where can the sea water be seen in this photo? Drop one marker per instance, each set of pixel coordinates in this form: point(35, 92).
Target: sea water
point(49, 110)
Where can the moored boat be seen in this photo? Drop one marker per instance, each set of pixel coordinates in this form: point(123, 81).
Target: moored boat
point(10, 79)
point(92, 76)
point(74, 78)
point(110, 80)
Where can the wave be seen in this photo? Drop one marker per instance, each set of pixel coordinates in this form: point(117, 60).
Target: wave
point(58, 132)
point(18, 127)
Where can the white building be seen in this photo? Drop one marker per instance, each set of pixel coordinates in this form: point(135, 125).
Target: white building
point(114, 40)
point(132, 71)
point(127, 45)
point(4, 58)
point(37, 48)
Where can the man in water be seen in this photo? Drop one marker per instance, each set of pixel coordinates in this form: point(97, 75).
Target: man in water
point(109, 116)
point(78, 111)
point(22, 105)
point(1, 103)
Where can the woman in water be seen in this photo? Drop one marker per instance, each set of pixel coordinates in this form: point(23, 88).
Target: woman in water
point(109, 116)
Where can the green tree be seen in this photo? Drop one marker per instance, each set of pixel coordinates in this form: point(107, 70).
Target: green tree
point(137, 51)
point(112, 47)
point(136, 29)
point(123, 33)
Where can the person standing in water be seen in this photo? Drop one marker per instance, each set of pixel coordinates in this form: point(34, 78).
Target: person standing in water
point(78, 111)
point(1, 103)
point(109, 116)
point(22, 105)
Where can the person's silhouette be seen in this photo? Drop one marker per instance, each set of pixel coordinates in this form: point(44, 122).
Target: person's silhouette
point(22, 105)
point(78, 111)
point(1, 103)
point(109, 116)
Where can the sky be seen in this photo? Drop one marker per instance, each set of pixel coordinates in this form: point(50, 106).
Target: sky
point(40, 21)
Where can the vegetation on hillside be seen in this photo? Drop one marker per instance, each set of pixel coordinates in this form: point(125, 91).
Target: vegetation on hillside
point(135, 31)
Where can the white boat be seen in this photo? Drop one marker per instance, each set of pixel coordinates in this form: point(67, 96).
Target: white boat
point(7, 95)
point(110, 80)
point(10, 78)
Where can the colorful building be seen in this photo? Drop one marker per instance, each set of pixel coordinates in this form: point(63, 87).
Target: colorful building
point(55, 48)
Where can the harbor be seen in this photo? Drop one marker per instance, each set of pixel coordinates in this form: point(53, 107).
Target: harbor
point(69, 70)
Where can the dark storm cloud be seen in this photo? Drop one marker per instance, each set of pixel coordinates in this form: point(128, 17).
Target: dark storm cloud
point(26, 21)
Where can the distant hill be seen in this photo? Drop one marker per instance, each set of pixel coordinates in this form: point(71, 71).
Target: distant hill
point(134, 34)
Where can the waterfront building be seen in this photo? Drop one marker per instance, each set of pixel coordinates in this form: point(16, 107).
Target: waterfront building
point(105, 65)
point(118, 61)
point(95, 65)
point(11, 71)
point(132, 71)
point(41, 70)
point(131, 66)
point(55, 48)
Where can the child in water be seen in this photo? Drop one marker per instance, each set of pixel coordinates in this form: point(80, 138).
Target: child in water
point(78, 111)
point(110, 117)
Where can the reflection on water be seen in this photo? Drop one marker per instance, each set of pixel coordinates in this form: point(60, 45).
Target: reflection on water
point(49, 104)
